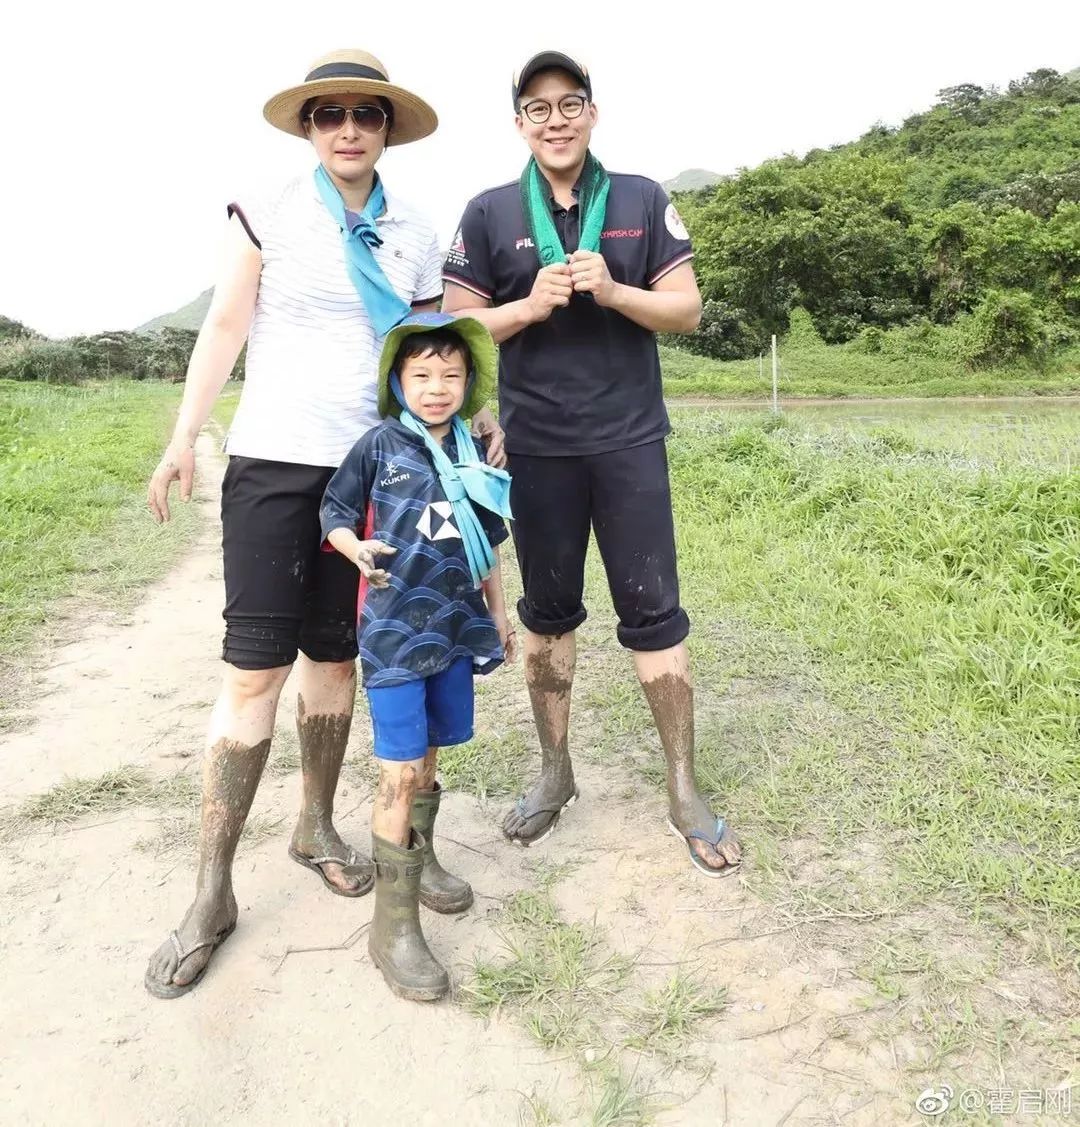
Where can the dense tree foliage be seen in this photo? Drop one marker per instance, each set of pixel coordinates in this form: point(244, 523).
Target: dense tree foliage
point(967, 214)
point(161, 355)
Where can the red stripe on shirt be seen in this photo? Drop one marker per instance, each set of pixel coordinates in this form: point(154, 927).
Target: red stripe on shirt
point(361, 594)
point(667, 268)
point(467, 285)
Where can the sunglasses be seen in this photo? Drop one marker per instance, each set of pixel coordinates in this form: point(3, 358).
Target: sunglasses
point(329, 119)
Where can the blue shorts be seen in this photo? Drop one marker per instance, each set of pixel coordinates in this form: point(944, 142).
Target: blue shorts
point(434, 711)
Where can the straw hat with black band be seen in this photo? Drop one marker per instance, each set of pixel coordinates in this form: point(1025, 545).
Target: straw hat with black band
point(352, 72)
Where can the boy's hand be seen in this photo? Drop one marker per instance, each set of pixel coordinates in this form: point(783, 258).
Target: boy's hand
point(178, 462)
point(552, 289)
point(589, 273)
point(507, 637)
point(366, 551)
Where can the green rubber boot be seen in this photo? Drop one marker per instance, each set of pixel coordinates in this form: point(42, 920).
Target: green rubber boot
point(439, 890)
point(395, 942)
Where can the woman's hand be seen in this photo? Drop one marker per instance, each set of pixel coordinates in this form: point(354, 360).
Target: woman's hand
point(491, 435)
point(366, 551)
point(177, 464)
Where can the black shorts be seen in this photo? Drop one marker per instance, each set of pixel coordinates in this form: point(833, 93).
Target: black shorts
point(282, 592)
point(625, 497)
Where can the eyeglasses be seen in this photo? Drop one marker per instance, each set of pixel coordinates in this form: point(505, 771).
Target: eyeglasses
point(570, 106)
point(329, 119)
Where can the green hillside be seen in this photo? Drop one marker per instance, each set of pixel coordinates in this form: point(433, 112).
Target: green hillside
point(965, 216)
point(692, 179)
point(189, 316)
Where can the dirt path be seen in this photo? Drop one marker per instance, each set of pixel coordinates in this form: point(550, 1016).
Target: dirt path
point(316, 1037)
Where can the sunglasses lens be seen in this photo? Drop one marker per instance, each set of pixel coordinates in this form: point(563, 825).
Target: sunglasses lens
point(369, 118)
point(327, 118)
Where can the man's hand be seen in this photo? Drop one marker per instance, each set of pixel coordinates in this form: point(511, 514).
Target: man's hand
point(507, 637)
point(551, 290)
point(366, 551)
point(177, 463)
point(491, 435)
point(589, 274)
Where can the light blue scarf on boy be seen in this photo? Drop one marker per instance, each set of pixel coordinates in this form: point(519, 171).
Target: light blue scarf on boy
point(465, 481)
point(384, 307)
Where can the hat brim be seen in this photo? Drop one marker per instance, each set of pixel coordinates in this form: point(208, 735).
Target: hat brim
point(485, 362)
point(413, 117)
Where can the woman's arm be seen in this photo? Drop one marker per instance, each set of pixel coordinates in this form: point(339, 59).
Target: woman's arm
point(212, 360)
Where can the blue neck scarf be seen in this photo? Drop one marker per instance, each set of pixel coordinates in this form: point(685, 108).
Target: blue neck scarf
point(384, 307)
point(465, 481)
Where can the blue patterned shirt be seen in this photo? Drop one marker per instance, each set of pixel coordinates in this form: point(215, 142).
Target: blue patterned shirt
point(430, 615)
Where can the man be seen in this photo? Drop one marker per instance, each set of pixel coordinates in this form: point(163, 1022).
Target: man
point(576, 271)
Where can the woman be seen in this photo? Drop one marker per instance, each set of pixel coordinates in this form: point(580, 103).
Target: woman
point(314, 276)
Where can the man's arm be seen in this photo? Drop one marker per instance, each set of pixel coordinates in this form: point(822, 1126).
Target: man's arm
point(672, 304)
point(551, 290)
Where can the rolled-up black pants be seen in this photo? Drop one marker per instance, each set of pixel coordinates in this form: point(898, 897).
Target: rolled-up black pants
point(625, 498)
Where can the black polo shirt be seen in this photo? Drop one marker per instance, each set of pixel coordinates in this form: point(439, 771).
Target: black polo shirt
point(586, 380)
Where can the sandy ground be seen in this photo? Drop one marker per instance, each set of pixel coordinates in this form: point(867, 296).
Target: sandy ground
point(317, 1037)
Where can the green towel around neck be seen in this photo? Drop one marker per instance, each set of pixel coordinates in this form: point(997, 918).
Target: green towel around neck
point(536, 205)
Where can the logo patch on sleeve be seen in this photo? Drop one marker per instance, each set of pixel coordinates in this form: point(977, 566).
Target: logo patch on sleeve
point(457, 255)
point(673, 222)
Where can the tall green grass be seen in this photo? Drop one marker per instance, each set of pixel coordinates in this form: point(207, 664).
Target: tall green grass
point(74, 465)
point(940, 584)
point(902, 368)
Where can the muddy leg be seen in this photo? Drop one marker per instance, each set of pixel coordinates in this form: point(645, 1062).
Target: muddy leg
point(549, 674)
point(429, 770)
point(324, 707)
point(238, 744)
point(665, 678)
point(391, 814)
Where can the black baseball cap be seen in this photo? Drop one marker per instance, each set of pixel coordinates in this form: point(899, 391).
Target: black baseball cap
point(547, 60)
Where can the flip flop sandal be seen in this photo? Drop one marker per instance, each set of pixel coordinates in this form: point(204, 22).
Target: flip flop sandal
point(549, 829)
point(175, 989)
point(350, 868)
point(714, 841)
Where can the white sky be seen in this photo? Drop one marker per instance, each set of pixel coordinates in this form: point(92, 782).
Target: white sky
point(129, 126)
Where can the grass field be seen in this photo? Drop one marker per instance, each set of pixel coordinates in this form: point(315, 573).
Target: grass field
point(74, 463)
point(888, 700)
point(932, 567)
point(931, 574)
point(810, 369)
point(899, 604)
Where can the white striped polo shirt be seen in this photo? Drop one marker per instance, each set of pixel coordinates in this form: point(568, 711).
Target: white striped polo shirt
point(310, 383)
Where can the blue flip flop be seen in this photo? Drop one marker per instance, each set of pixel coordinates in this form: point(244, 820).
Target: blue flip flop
point(543, 833)
point(714, 841)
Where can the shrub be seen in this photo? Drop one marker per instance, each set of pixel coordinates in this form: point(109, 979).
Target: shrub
point(1006, 325)
point(44, 360)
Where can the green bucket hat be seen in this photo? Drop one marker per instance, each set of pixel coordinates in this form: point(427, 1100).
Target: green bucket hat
point(485, 358)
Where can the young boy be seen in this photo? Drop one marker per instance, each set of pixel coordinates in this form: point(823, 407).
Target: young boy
point(430, 613)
